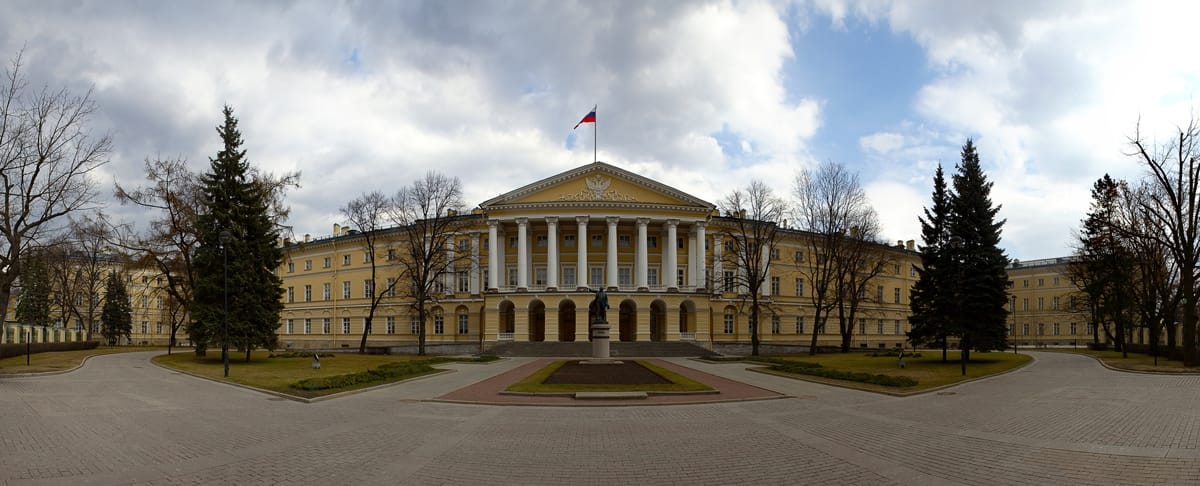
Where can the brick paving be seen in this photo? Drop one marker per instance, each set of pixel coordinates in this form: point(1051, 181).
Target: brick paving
point(1062, 420)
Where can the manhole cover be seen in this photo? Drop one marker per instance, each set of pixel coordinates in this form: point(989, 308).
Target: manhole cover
point(947, 393)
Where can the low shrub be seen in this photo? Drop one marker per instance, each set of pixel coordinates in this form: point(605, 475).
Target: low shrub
point(814, 369)
point(894, 354)
point(299, 354)
point(399, 369)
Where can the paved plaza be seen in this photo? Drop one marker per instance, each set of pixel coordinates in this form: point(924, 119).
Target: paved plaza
point(1063, 419)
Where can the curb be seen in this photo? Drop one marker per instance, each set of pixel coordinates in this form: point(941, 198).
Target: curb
point(766, 371)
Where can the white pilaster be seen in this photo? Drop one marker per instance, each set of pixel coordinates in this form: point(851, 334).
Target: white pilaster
point(642, 258)
point(522, 254)
point(701, 255)
point(611, 267)
point(669, 272)
point(551, 254)
point(448, 278)
point(718, 273)
point(493, 255)
point(474, 276)
point(581, 263)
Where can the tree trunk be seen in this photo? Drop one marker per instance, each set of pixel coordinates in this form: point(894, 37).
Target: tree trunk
point(362, 344)
point(247, 353)
point(812, 348)
point(754, 323)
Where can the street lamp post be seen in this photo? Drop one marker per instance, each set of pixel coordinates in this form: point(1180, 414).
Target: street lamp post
point(225, 237)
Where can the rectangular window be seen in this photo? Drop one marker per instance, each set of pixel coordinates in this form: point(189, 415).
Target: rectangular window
point(158, 328)
point(1025, 304)
point(1054, 303)
point(463, 324)
point(680, 277)
point(652, 241)
point(799, 324)
point(568, 276)
point(325, 291)
point(391, 287)
point(775, 325)
point(879, 294)
point(896, 269)
point(539, 276)
point(464, 246)
point(898, 330)
point(596, 276)
point(1041, 282)
point(1055, 328)
point(308, 264)
point(290, 325)
point(775, 285)
point(325, 263)
point(414, 325)
point(624, 276)
point(391, 325)
point(799, 256)
point(1090, 329)
point(728, 281)
point(799, 287)
point(308, 326)
point(623, 241)
point(652, 277)
point(1041, 303)
point(464, 281)
point(345, 325)
point(896, 295)
point(569, 241)
point(291, 294)
point(912, 271)
point(1025, 283)
point(597, 241)
point(512, 277)
point(158, 302)
point(391, 254)
point(728, 323)
point(679, 243)
point(484, 276)
point(512, 241)
point(439, 324)
point(1024, 329)
point(1074, 329)
point(862, 326)
point(879, 327)
point(145, 302)
point(541, 240)
point(308, 293)
point(345, 260)
point(368, 288)
point(346, 289)
point(145, 327)
point(774, 254)
point(291, 268)
point(1041, 329)
point(1056, 281)
point(326, 326)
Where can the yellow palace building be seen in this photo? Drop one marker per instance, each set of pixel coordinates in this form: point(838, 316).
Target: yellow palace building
point(535, 252)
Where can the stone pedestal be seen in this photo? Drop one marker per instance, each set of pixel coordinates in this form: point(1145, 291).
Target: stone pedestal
point(600, 338)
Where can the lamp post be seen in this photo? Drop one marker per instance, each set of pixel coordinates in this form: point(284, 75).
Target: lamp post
point(225, 237)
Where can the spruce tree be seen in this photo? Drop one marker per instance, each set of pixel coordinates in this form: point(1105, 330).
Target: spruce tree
point(236, 235)
point(930, 304)
point(116, 317)
point(33, 308)
point(979, 265)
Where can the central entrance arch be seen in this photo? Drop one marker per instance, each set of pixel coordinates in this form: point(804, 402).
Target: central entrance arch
point(566, 320)
point(628, 320)
point(658, 321)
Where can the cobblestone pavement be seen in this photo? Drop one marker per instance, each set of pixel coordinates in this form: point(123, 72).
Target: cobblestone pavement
point(1062, 420)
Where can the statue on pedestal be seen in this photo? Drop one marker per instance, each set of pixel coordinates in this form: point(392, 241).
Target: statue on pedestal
point(598, 309)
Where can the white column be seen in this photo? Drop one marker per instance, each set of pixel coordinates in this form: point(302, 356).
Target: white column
point(611, 270)
point(552, 253)
point(522, 254)
point(642, 258)
point(581, 263)
point(701, 255)
point(669, 273)
point(451, 270)
point(718, 274)
point(493, 255)
point(474, 276)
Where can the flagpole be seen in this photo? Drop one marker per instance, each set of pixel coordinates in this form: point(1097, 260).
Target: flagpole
point(595, 141)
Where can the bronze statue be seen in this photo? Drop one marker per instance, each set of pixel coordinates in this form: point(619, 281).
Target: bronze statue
point(597, 310)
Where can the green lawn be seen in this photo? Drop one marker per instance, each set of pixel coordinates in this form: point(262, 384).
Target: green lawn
point(928, 370)
point(278, 374)
point(1135, 361)
point(533, 383)
point(63, 360)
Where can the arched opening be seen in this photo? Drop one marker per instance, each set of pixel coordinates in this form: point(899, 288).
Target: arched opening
point(537, 321)
point(508, 320)
point(628, 321)
point(687, 319)
point(566, 320)
point(658, 321)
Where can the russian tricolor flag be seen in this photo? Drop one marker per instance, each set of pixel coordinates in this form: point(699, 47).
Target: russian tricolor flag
point(588, 118)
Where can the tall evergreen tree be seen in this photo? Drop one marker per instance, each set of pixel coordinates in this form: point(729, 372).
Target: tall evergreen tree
point(238, 252)
point(116, 318)
point(930, 303)
point(33, 307)
point(1104, 265)
point(979, 263)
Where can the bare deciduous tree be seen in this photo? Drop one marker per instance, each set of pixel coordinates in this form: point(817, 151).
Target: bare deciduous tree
point(368, 214)
point(78, 267)
point(46, 158)
point(753, 216)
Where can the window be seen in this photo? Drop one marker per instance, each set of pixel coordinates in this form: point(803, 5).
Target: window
point(346, 289)
point(799, 324)
point(775, 285)
point(596, 276)
point(1074, 329)
point(774, 254)
point(728, 322)
point(879, 294)
point(325, 263)
point(1025, 283)
point(391, 254)
point(680, 277)
point(896, 269)
point(799, 287)
point(157, 328)
point(1071, 301)
point(568, 276)
point(799, 256)
point(879, 327)
point(464, 246)
point(391, 287)
point(326, 327)
point(1090, 328)
point(308, 264)
point(897, 325)
point(439, 324)
point(1024, 329)
point(569, 241)
point(145, 327)
point(1041, 329)
point(345, 325)
point(368, 257)
point(512, 241)
point(463, 323)
point(624, 276)
point(158, 302)
point(652, 241)
point(414, 325)
point(391, 325)
point(1025, 304)
point(728, 279)
point(308, 326)
point(368, 288)
point(679, 243)
point(345, 260)
point(896, 295)
point(485, 277)
point(1041, 282)
point(291, 268)
point(597, 240)
point(1041, 302)
point(291, 294)
point(652, 277)
point(539, 276)
point(1056, 281)
point(774, 324)
point(541, 240)
point(512, 277)
point(1055, 328)
point(290, 325)
point(464, 282)
point(145, 301)
point(623, 241)
point(912, 271)
point(862, 326)
point(1054, 303)
point(325, 291)
point(308, 293)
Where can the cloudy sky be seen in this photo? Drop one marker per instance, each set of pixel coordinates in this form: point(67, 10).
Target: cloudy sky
point(702, 96)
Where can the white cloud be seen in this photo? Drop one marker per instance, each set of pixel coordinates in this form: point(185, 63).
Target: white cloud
point(882, 142)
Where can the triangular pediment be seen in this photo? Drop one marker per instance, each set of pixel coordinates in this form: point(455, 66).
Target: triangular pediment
point(597, 184)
